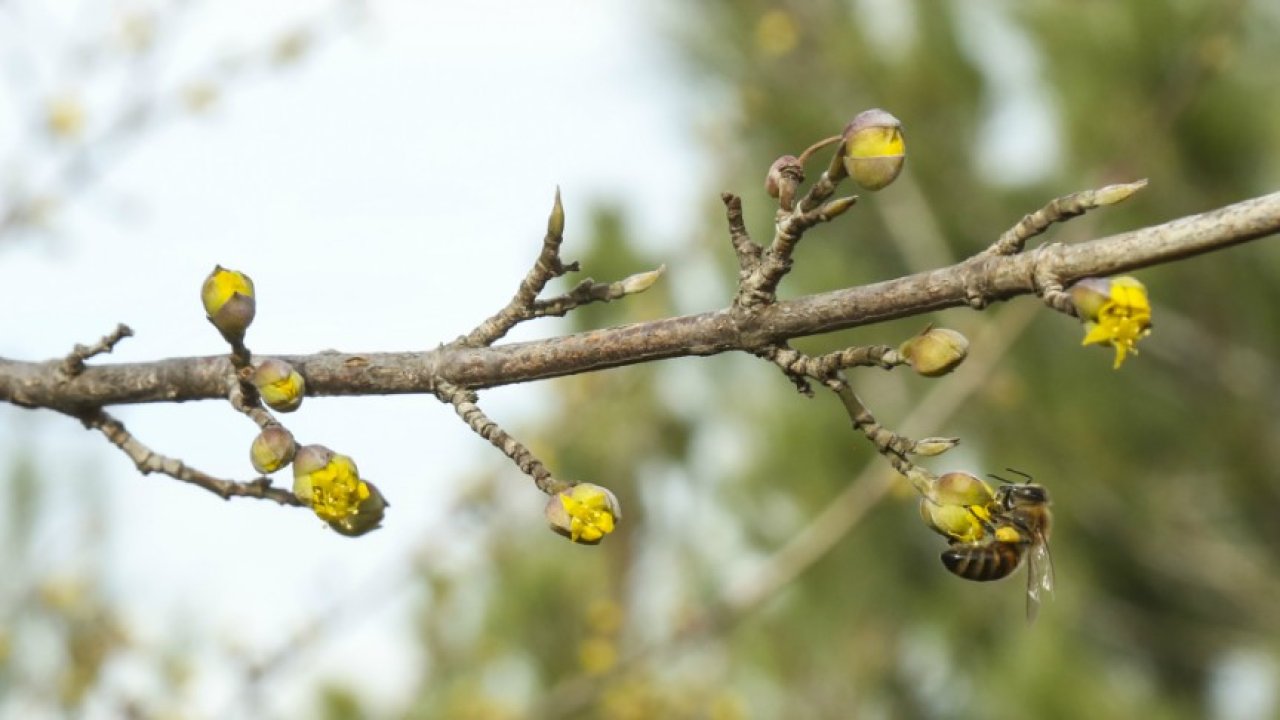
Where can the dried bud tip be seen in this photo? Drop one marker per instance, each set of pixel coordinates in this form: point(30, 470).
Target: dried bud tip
point(785, 175)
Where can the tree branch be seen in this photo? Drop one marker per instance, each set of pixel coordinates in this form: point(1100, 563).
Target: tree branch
point(983, 277)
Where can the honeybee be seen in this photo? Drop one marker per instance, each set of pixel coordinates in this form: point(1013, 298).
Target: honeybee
point(1018, 527)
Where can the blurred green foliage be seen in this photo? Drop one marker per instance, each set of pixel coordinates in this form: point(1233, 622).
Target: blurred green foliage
point(1163, 473)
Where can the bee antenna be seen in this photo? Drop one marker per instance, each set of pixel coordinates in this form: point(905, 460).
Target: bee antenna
point(994, 476)
point(1019, 472)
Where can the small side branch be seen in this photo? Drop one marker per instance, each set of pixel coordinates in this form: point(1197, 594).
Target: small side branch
point(73, 364)
point(547, 267)
point(1060, 210)
point(148, 461)
point(589, 291)
point(464, 403)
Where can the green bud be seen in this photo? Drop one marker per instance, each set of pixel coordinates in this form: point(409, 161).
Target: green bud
point(934, 352)
point(934, 446)
point(555, 223)
point(281, 387)
point(272, 449)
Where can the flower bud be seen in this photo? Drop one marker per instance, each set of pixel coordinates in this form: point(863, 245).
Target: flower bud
point(874, 149)
point(958, 506)
point(555, 223)
point(280, 386)
point(228, 302)
point(584, 513)
point(934, 352)
point(785, 175)
point(934, 446)
point(961, 488)
point(640, 282)
point(272, 449)
point(367, 517)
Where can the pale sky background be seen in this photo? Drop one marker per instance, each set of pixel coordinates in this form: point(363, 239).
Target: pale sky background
point(386, 193)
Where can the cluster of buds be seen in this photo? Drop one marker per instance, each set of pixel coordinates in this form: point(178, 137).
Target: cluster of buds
point(1115, 311)
point(331, 485)
point(584, 513)
point(325, 481)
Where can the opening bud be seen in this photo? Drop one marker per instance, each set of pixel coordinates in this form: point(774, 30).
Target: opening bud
point(874, 149)
point(1116, 311)
point(958, 506)
point(281, 387)
point(228, 302)
point(272, 449)
point(936, 351)
point(584, 513)
point(331, 485)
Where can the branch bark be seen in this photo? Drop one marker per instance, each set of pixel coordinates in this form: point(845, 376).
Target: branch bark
point(978, 280)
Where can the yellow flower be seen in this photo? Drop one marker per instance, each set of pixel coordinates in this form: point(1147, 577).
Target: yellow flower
point(228, 302)
point(1121, 319)
point(280, 386)
point(64, 117)
point(331, 485)
point(584, 513)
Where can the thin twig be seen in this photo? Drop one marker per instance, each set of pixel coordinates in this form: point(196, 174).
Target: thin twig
point(148, 461)
point(73, 363)
point(464, 403)
point(547, 266)
point(589, 291)
point(1060, 210)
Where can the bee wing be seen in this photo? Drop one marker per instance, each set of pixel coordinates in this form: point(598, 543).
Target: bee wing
point(1039, 576)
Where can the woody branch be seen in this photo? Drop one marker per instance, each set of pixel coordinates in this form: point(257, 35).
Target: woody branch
point(982, 278)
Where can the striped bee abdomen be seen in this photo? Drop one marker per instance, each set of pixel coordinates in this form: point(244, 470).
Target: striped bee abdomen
point(982, 563)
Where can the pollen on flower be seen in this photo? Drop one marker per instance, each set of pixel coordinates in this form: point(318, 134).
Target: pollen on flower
point(337, 490)
point(1123, 319)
